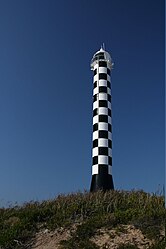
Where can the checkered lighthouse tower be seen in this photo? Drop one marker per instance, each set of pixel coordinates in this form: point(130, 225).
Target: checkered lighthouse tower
point(101, 66)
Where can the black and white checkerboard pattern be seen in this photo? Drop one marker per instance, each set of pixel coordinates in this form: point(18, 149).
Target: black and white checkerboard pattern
point(102, 120)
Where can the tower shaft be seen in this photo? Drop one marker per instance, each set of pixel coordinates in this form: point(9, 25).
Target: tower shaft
point(102, 123)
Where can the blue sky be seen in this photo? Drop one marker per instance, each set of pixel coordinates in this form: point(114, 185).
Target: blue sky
point(46, 94)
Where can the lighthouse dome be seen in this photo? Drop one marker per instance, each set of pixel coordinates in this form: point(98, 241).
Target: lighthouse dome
point(101, 55)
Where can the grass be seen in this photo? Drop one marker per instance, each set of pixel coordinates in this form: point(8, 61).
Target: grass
point(146, 211)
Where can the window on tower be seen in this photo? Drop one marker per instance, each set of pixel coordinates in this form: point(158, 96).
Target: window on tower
point(95, 84)
point(99, 56)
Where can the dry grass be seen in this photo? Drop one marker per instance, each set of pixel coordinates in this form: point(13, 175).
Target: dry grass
point(145, 211)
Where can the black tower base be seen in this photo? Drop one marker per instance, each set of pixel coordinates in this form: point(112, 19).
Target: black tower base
point(101, 182)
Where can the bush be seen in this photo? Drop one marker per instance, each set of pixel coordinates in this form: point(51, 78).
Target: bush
point(18, 225)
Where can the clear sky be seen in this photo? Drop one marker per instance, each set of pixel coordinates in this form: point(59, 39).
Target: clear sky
point(46, 94)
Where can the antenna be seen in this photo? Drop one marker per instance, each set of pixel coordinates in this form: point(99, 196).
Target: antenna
point(103, 46)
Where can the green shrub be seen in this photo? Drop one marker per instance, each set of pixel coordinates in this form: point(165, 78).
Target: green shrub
point(18, 225)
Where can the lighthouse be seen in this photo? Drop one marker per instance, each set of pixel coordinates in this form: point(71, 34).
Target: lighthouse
point(101, 65)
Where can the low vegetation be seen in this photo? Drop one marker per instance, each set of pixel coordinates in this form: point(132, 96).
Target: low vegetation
point(90, 211)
